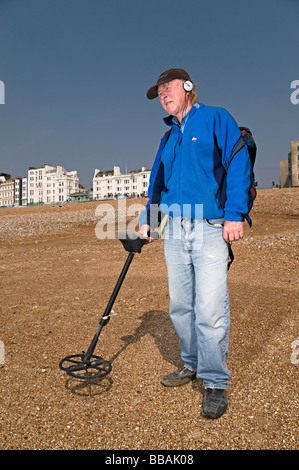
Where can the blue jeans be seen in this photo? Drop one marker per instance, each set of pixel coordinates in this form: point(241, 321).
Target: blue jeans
point(196, 258)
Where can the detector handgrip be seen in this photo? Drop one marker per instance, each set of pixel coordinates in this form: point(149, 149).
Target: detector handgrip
point(132, 242)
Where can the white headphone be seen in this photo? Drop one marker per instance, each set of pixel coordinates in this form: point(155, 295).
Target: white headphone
point(188, 85)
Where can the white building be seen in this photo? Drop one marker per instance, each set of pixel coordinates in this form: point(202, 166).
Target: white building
point(51, 184)
point(289, 169)
point(12, 191)
point(18, 191)
point(24, 191)
point(113, 183)
point(7, 192)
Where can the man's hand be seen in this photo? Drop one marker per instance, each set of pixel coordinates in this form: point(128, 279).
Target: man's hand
point(144, 231)
point(233, 230)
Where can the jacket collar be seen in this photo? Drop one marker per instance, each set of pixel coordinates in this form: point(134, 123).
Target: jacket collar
point(172, 120)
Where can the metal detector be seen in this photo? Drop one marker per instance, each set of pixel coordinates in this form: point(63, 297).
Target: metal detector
point(86, 365)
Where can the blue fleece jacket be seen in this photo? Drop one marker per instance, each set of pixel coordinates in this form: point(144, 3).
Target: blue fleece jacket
point(189, 171)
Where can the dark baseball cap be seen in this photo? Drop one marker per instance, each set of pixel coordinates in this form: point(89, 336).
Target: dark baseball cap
point(165, 77)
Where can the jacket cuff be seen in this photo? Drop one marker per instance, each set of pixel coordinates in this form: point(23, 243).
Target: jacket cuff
point(233, 217)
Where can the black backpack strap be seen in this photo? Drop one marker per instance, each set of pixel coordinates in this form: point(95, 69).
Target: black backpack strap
point(239, 146)
point(231, 256)
point(167, 137)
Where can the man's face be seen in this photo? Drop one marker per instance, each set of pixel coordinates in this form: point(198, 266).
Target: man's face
point(173, 97)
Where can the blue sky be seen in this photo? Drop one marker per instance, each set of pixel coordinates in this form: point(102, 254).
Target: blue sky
point(76, 74)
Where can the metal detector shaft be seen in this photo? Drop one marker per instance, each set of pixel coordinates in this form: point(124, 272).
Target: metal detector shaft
point(105, 318)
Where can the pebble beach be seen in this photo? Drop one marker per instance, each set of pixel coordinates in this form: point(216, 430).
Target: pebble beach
point(56, 279)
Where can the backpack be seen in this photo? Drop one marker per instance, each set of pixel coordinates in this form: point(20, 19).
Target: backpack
point(248, 140)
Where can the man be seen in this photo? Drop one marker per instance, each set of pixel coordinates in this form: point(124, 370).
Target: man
point(188, 182)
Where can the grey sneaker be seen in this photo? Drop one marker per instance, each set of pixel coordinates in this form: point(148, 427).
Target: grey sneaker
point(214, 403)
point(178, 377)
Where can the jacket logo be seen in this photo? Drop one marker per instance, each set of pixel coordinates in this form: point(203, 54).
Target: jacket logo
point(194, 138)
